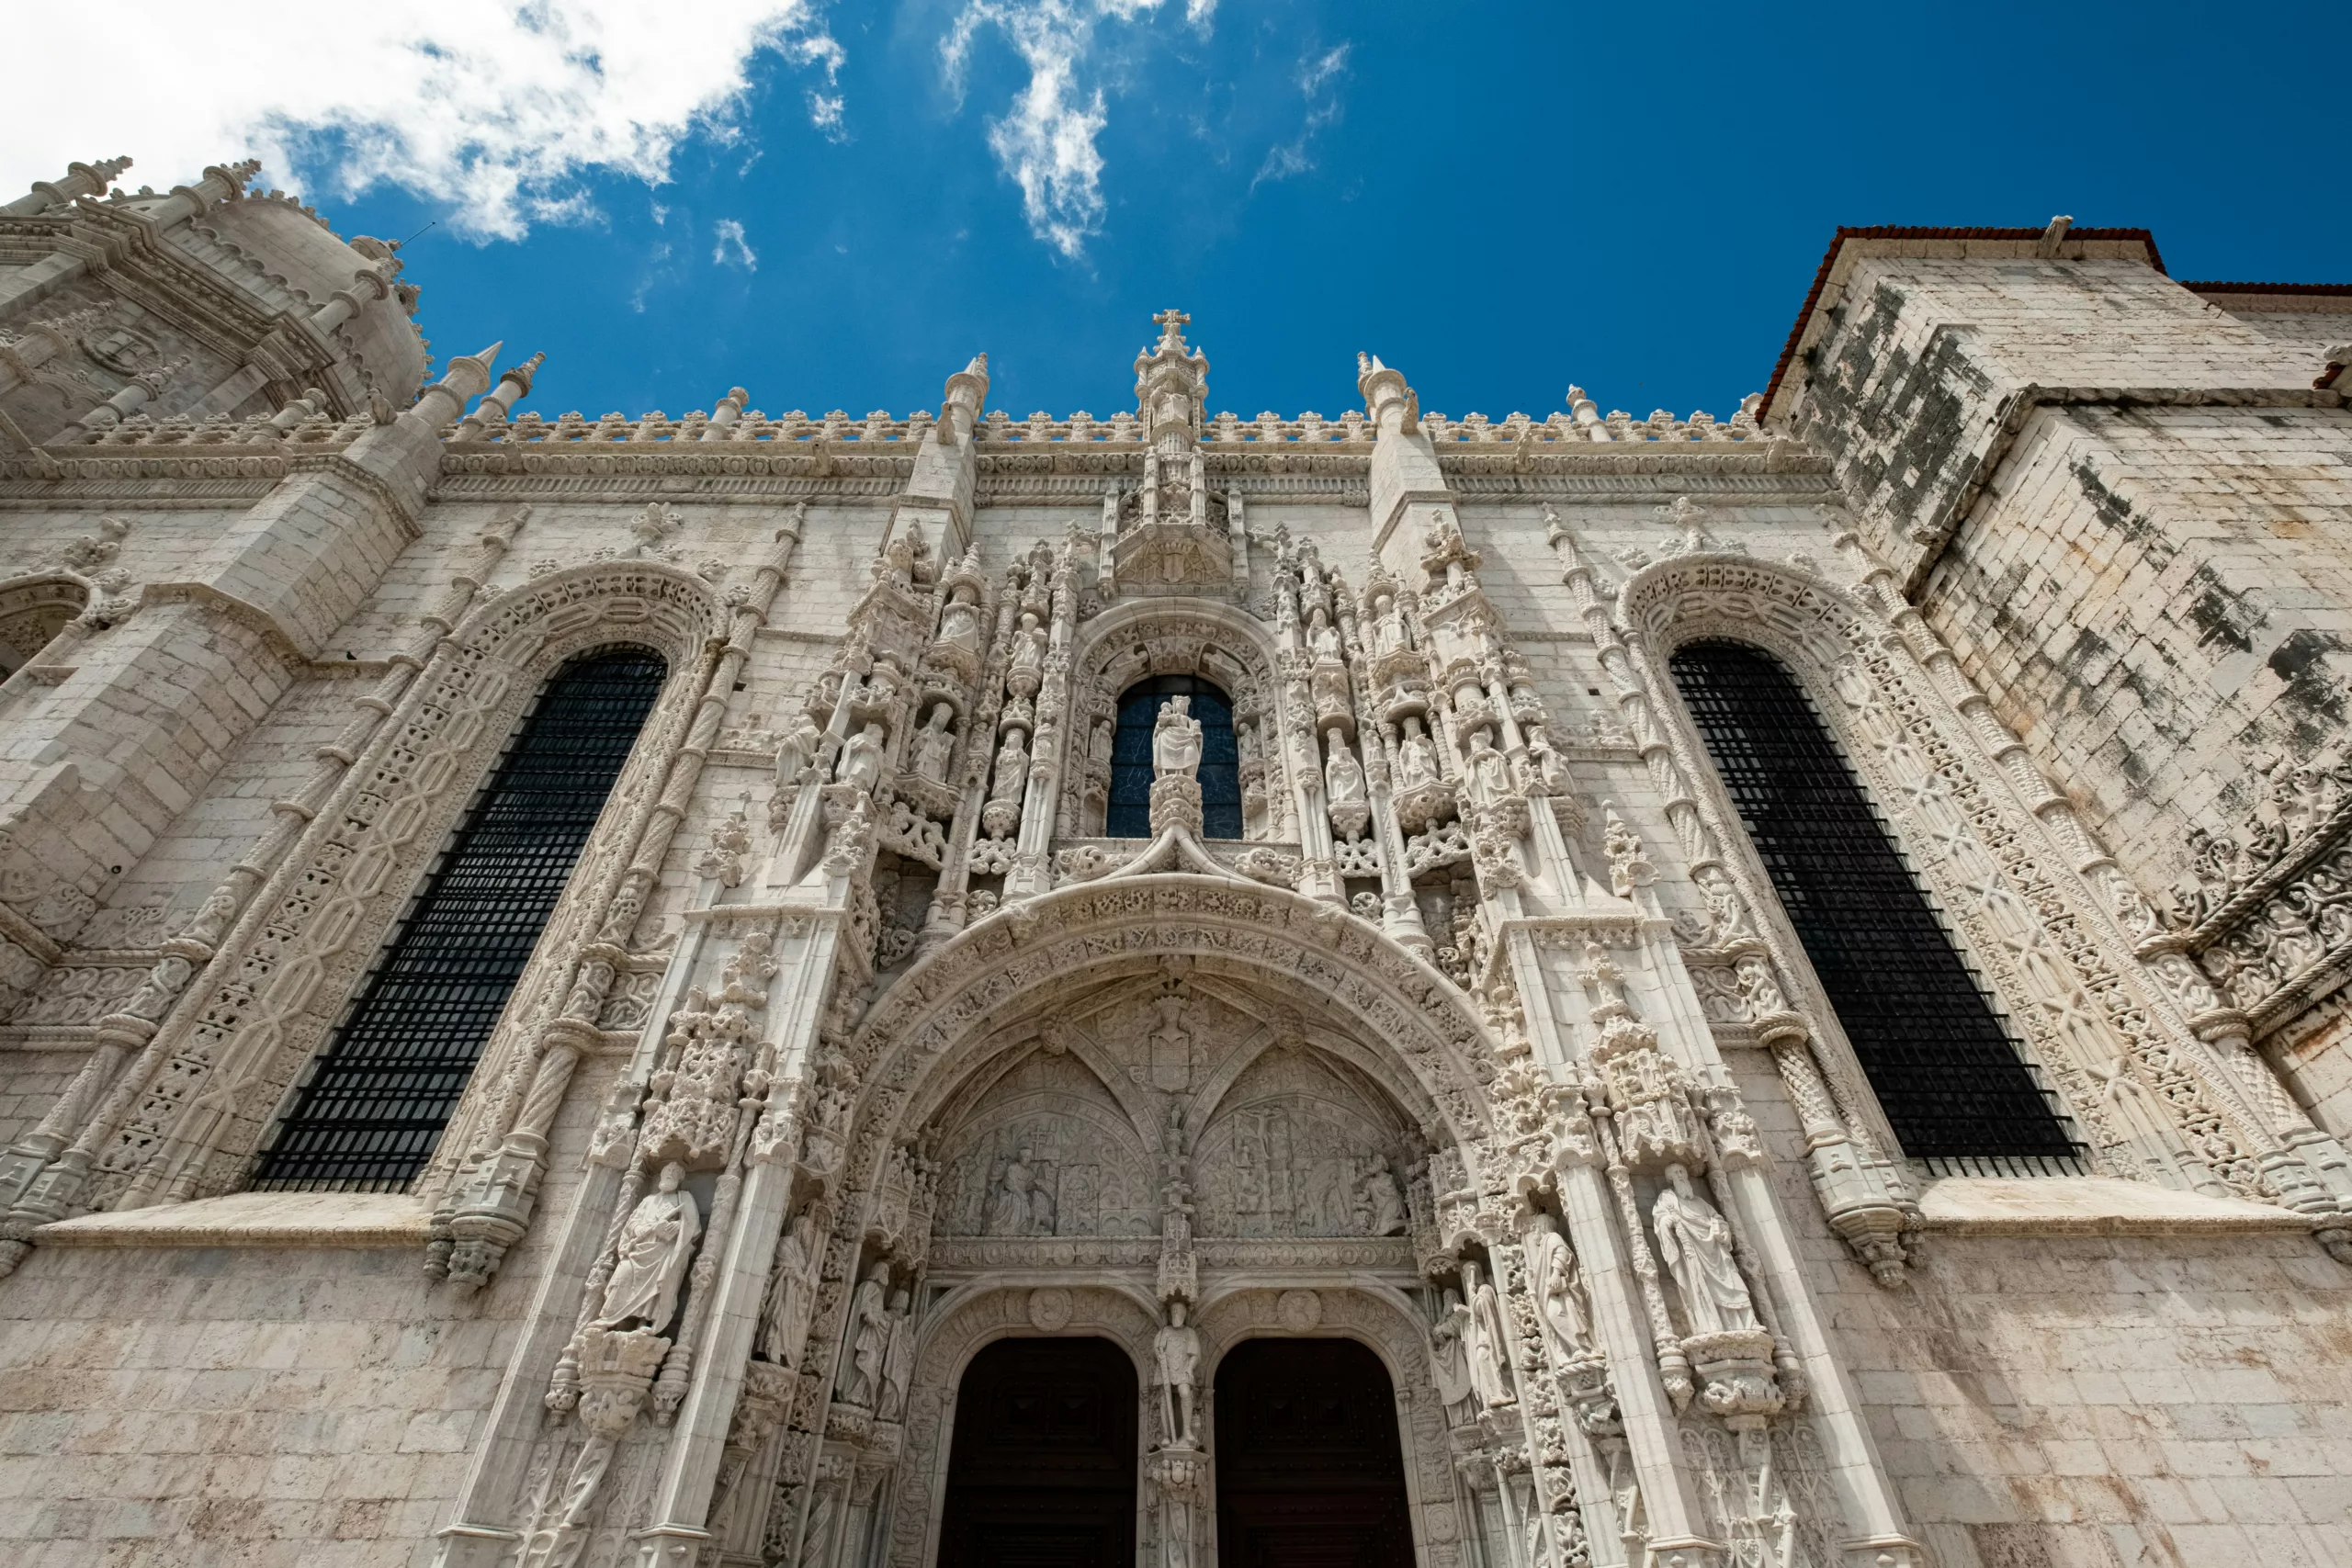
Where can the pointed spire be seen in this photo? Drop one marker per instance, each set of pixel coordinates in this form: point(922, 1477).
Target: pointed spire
point(81, 179)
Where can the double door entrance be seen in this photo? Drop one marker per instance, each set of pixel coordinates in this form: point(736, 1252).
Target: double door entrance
point(1042, 1470)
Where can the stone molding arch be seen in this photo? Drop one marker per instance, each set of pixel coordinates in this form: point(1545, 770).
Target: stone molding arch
point(1226, 927)
point(217, 1073)
point(1139, 638)
point(1383, 1321)
point(1980, 826)
point(961, 1324)
point(34, 609)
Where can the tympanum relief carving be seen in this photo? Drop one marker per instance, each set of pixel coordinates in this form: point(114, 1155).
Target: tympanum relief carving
point(1285, 1141)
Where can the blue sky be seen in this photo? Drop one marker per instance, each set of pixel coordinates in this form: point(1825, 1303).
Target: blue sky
point(1499, 200)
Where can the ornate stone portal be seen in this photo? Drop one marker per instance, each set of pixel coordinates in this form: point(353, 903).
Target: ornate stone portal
point(856, 1042)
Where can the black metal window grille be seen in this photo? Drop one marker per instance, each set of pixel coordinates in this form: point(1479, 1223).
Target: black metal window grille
point(1945, 1071)
point(380, 1092)
point(1129, 812)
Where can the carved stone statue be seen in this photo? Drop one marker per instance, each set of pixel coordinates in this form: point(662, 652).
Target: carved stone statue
point(1551, 774)
point(1559, 1288)
point(1097, 746)
point(1489, 773)
point(1012, 770)
point(869, 1340)
point(1387, 625)
point(959, 620)
point(1384, 1202)
point(1176, 1355)
point(1027, 669)
point(1014, 1205)
point(1176, 741)
point(1694, 1243)
point(1450, 1360)
point(1323, 636)
point(935, 744)
point(1416, 757)
point(861, 762)
point(798, 753)
point(783, 1316)
point(1343, 782)
point(898, 1360)
point(656, 1244)
point(1489, 1361)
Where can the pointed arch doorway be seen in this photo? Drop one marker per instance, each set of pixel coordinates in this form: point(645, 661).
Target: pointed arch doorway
point(1042, 1472)
point(1310, 1472)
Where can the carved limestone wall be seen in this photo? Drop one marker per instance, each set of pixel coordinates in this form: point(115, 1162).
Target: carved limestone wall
point(212, 1076)
point(2153, 1100)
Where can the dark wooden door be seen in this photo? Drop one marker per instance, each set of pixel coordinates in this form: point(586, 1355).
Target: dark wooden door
point(1308, 1470)
point(1042, 1472)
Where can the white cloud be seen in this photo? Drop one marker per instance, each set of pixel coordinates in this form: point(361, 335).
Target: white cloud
point(493, 109)
point(731, 233)
point(1046, 140)
point(1313, 73)
point(1286, 159)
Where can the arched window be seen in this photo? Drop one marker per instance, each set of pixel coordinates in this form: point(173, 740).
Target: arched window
point(381, 1092)
point(32, 613)
point(1945, 1071)
point(1129, 816)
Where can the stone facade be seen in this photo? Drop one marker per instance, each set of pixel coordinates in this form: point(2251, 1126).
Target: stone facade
point(857, 1041)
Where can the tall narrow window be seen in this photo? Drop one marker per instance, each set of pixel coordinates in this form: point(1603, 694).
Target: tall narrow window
point(380, 1093)
point(1945, 1071)
point(1129, 815)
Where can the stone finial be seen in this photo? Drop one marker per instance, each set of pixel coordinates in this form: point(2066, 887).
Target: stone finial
point(81, 179)
point(967, 395)
point(1171, 330)
point(2054, 236)
point(1392, 407)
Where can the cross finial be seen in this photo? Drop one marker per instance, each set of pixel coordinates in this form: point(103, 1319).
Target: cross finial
point(1170, 321)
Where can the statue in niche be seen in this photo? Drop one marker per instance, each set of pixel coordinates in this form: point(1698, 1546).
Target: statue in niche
point(1176, 1354)
point(1176, 741)
point(1450, 1360)
point(959, 620)
point(935, 744)
point(1559, 1287)
point(1244, 742)
point(656, 1244)
point(1343, 782)
point(783, 1316)
point(897, 1359)
point(1028, 667)
point(861, 762)
point(797, 753)
point(1489, 773)
point(1549, 776)
point(1383, 1204)
point(1694, 1243)
point(1489, 1360)
point(1012, 770)
point(869, 1340)
point(1416, 757)
point(1387, 625)
point(1098, 746)
point(1323, 636)
point(1019, 1200)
